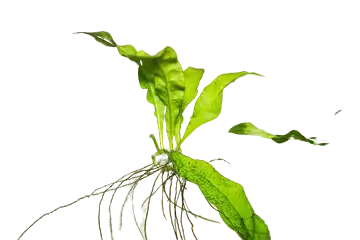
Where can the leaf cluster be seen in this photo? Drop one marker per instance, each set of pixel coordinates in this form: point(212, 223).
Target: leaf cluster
point(170, 89)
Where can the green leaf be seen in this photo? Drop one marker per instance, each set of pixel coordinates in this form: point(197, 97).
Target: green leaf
point(169, 83)
point(315, 141)
point(192, 77)
point(165, 72)
point(250, 129)
point(146, 64)
point(208, 104)
point(135, 55)
point(147, 83)
point(294, 135)
point(227, 196)
point(102, 37)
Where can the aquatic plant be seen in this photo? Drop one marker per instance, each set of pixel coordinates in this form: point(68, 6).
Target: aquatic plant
point(170, 90)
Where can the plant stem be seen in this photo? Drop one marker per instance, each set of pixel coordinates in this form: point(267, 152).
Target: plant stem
point(155, 142)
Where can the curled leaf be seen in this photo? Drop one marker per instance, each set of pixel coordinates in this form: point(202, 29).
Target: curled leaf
point(138, 56)
point(102, 37)
point(315, 141)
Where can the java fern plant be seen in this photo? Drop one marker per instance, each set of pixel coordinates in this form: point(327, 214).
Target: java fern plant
point(170, 90)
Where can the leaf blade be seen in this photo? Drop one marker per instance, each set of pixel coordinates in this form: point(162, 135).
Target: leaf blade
point(192, 77)
point(208, 104)
point(164, 71)
point(147, 83)
point(102, 37)
point(250, 129)
point(131, 53)
point(170, 87)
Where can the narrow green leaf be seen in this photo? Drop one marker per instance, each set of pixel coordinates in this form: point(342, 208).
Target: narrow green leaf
point(147, 83)
point(192, 77)
point(315, 141)
point(251, 129)
point(208, 104)
point(102, 37)
point(292, 135)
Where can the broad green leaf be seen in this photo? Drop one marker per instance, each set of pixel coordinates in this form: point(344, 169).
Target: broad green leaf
point(192, 77)
point(102, 37)
point(165, 72)
point(208, 104)
point(227, 196)
point(169, 84)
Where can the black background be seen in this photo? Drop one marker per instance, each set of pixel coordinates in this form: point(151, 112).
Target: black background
point(77, 118)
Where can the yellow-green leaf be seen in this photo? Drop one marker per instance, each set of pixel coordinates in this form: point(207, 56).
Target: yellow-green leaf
point(146, 80)
point(192, 77)
point(208, 104)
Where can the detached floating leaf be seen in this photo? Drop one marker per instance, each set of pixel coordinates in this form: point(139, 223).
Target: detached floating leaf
point(102, 37)
point(250, 129)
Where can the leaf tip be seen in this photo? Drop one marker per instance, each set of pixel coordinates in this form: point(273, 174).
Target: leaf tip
point(257, 74)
